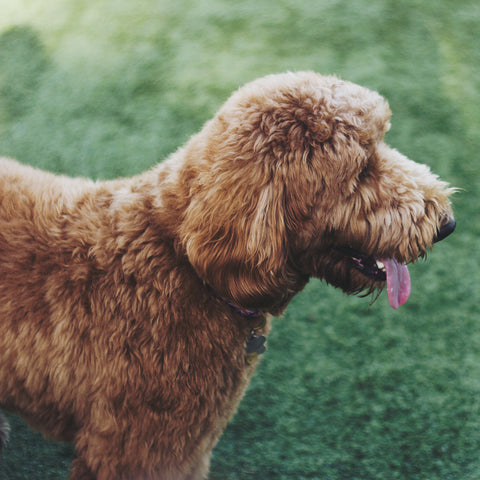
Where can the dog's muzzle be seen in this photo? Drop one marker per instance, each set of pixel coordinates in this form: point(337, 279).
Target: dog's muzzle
point(446, 229)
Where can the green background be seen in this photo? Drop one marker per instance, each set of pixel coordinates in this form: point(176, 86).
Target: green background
point(345, 390)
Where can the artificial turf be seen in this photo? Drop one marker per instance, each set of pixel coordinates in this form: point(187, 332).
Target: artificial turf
point(345, 390)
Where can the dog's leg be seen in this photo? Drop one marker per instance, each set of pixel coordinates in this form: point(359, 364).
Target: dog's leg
point(98, 462)
point(200, 472)
point(80, 471)
point(4, 430)
point(102, 457)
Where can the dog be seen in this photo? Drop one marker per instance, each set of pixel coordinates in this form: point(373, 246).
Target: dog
point(133, 311)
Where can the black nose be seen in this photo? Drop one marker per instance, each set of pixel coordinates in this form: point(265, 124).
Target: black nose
point(445, 230)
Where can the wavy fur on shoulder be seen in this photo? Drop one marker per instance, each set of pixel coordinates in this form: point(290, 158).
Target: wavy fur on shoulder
point(122, 324)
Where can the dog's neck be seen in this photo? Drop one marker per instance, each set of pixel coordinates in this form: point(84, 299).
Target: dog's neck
point(255, 342)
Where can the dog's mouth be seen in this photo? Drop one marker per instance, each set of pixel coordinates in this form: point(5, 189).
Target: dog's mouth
point(369, 265)
point(380, 270)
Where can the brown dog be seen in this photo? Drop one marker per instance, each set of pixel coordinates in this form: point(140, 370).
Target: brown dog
point(132, 311)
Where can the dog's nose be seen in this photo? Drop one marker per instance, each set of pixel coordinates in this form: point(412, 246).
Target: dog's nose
point(446, 229)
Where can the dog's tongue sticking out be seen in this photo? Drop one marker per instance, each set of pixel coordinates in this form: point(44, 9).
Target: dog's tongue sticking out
point(398, 282)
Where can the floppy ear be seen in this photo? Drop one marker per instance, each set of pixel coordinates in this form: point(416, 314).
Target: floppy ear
point(234, 234)
point(252, 184)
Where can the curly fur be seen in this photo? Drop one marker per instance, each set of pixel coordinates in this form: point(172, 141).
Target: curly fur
point(110, 334)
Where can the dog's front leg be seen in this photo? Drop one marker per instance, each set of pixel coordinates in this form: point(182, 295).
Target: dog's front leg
point(80, 471)
point(200, 472)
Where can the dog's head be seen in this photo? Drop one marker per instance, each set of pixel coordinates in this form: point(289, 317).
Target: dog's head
point(292, 179)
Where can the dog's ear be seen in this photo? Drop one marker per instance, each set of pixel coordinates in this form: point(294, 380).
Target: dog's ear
point(252, 183)
point(234, 234)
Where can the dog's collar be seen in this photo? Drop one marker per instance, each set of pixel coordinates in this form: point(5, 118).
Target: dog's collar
point(245, 312)
point(255, 342)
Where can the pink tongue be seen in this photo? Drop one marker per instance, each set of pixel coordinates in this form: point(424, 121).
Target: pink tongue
point(398, 282)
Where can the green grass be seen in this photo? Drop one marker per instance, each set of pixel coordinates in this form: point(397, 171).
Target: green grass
point(345, 391)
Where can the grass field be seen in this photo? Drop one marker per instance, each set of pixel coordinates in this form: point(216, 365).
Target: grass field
point(346, 390)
